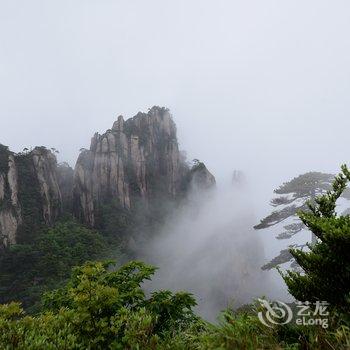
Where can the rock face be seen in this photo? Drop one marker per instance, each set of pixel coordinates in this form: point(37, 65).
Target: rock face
point(65, 175)
point(45, 170)
point(29, 192)
point(10, 210)
point(137, 159)
point(136, 164)
point(201, 178)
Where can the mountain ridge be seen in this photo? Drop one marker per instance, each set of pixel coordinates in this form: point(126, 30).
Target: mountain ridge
point(134, 163)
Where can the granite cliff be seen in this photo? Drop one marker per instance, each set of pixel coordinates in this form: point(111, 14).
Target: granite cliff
point(135, 164)
point(29, 193)
point(136, 160)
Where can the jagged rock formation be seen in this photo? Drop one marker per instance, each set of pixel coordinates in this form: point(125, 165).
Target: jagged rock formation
point(136, 164)
point(29, 193)
point(137, 159)
point(200, 177)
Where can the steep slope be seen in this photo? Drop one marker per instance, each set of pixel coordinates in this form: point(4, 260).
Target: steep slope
point(29, 193)
point(137, 160)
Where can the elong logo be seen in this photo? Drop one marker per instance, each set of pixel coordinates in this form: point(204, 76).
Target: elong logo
point(279, 313)
point(275, 313)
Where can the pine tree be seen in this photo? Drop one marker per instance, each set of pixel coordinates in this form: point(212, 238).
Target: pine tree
point(293, 197)
point(326, 267)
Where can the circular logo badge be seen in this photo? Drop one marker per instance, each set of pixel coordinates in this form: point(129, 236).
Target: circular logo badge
point(276, 313)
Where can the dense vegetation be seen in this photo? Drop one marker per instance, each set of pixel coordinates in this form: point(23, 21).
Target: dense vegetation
point(30, 199)
point(104, 307)
point(29, 269)
point(100, 308)
point(327, 265)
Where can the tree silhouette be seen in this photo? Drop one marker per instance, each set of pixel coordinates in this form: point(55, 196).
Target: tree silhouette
point(293, 197)
point(325, 268)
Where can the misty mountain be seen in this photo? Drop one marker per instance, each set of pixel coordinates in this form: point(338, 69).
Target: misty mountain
point(133, 167)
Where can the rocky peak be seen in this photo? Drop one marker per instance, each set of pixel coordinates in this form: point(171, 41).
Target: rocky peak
point(119, 124)
point(136, 163)
point(29, 192)
point(200, 177)
point(135, 160)
point(45, 169)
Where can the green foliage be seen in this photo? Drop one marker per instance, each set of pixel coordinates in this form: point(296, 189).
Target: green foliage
point(113, 221)
point(30, 198)
point(243, 330)
point(294, 196)
point(239, 331)
point(103, 308)
point(326, 266)
point(170, 310)
point(100, 309)
point(29, 269)
point(295, 337)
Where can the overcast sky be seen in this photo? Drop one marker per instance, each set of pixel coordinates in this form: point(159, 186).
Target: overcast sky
point(262, 85)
